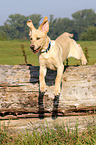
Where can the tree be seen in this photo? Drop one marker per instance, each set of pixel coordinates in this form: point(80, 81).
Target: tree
point(15, 27)
point(59, 26)
point(2, 34)
point(52, 23)
point(84, 19)
point(89, 35)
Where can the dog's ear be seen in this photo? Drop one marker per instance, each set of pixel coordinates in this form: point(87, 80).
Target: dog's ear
point(30, 32)
point(30, 24)
point(44, 27)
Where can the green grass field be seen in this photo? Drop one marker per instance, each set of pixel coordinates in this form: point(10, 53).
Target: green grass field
point(60, 134)
point(11, 53)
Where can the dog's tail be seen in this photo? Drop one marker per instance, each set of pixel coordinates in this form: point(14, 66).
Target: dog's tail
point(68, 34)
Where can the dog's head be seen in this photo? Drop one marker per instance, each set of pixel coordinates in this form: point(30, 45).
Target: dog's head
point(38, 36)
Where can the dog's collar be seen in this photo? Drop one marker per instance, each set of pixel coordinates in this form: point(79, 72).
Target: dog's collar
point(49, 45)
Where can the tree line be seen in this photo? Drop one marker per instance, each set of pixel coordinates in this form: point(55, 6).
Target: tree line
point(82, 25)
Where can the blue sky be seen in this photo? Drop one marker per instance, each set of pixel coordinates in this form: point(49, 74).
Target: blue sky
point(59, 8)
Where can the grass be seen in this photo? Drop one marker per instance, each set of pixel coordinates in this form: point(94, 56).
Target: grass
point(11, 53)
point(57, 135)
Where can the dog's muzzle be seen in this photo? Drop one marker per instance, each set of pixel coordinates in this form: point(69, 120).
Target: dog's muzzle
point(32, 47)
point(34, 50)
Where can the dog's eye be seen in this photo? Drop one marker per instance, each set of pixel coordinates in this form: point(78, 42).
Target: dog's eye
point(30, 38)
point(38, 38)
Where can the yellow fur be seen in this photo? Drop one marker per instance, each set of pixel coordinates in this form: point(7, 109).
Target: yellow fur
point(62, 48)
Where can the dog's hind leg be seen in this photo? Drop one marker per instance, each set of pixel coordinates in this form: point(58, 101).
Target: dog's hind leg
point(77, 52)
point(83, 58)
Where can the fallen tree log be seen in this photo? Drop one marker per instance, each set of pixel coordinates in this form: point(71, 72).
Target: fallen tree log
point(20, 95)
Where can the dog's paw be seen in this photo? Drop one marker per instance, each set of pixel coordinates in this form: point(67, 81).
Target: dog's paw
point(43, 88)
point(57, 91)
point(84, 62)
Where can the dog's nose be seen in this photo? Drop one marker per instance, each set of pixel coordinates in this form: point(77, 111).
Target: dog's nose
point(32, 46)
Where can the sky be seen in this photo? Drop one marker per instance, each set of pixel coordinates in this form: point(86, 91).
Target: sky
point(58, 8)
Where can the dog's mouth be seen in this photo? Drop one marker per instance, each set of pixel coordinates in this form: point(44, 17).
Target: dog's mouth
point(35, 50)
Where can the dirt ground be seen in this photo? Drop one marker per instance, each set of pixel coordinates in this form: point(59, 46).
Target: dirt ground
point(21, 125)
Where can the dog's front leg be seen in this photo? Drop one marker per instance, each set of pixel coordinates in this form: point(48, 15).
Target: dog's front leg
point(42, 79)
point(58, 79)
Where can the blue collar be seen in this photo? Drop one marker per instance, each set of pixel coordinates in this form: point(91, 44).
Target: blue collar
point(49, 45)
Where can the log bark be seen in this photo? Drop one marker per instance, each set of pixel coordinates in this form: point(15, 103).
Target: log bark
point(20, 95)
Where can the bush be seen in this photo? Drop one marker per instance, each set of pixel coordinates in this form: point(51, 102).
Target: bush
point(89, 35)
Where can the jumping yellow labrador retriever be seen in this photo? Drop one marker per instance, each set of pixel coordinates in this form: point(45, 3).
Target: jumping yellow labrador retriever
point(52, 53)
